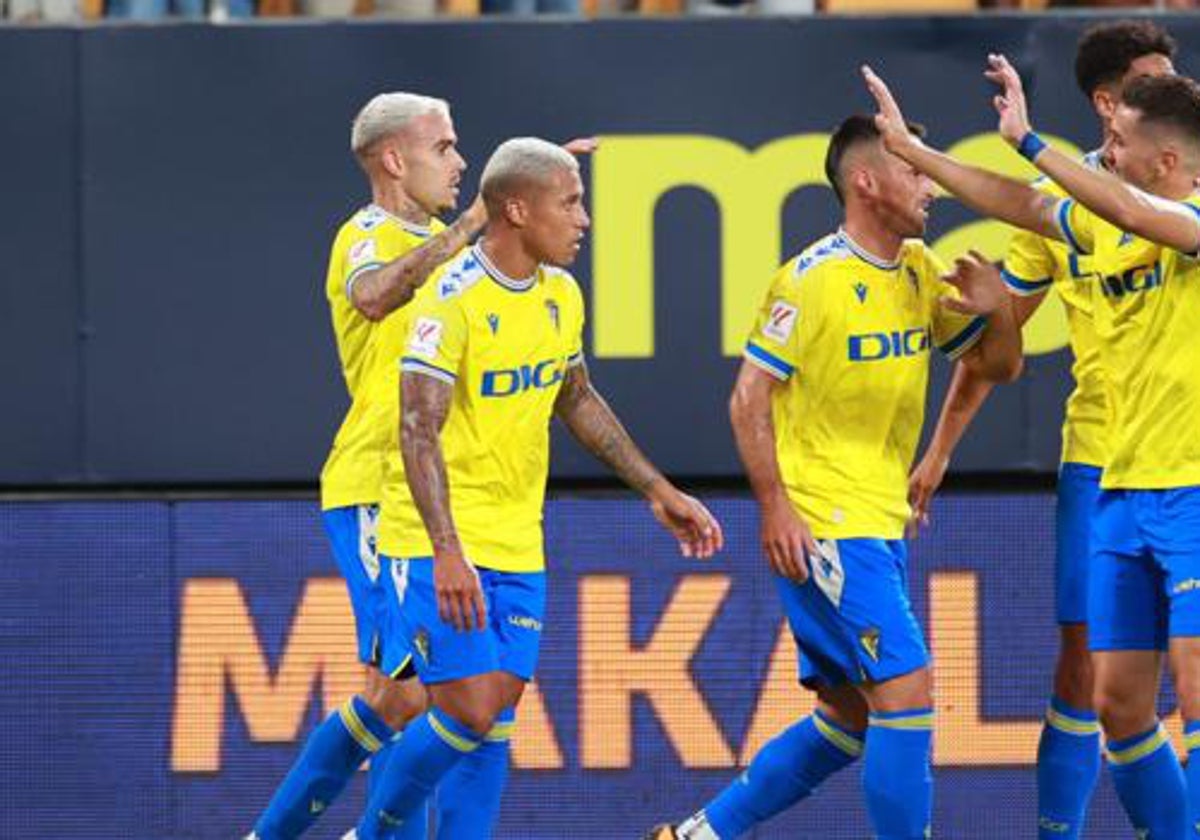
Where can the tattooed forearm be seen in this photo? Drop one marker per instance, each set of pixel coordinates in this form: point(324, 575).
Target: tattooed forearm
point(425, 404)
point(378, 293)
point(593, 423)
point(754, 432)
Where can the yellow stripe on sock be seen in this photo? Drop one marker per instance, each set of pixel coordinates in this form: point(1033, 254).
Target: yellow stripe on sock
point(1141, 749)
point(458, 742)
point(357, 728)
point(1070, 725)
point(924, 721)
point(849, 745)
point(501, 731)
point(1191, 740)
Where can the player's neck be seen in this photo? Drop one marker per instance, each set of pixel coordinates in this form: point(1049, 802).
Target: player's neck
point(508, 256)
point(397, 202)
point(872, 236)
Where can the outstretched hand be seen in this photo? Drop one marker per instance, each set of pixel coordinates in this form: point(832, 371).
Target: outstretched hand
point(1010, 102)
point(981, 291)
point(890, 121)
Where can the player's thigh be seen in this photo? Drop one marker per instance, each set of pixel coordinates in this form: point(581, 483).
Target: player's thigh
point(440, 652)
point(1078, 490)
point(1126, 606)
point(1185, 671)
point(351, 533)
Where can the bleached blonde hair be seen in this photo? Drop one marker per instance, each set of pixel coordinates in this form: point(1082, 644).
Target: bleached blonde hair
point(519, 162)
point(388, 113)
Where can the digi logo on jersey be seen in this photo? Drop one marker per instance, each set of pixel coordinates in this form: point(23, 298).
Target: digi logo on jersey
point(506, 383)
point(876, 346)
point(1140, 279)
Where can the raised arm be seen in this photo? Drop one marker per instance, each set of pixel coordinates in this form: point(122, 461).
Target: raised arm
point(596, 427)
point(425, 402)
point(381, 291)
point(987, 193)
point(785, 536)
point(1160, 220)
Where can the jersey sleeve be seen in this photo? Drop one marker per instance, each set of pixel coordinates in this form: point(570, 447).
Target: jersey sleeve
point(573, 322)
point(1029, 265)
point(437, 339)
point(1077, 225)
point(954, 333)
point(774, 344)
point(364, 252)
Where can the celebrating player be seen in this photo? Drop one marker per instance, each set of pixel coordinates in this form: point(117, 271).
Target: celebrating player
point(1139, 233)
point(1109, 57)
point(826, 411)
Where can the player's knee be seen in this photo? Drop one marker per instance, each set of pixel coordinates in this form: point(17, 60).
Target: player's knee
point(1074, 680)
point(401, 701)
point(1122, 713)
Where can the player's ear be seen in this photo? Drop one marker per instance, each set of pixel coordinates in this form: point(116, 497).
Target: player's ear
point(1104, 102)
point(862, 181)
point(1168, 160)
point(392, 161)
point(515, 211)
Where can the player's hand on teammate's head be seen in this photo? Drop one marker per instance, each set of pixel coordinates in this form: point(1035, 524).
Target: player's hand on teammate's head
point(890, 121)
point(786, 540)
point(698, 531)
point(582, 145)
point(980, 289)
point(1010, 102)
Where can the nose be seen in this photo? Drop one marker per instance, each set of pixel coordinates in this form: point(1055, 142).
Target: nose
point(585, 221)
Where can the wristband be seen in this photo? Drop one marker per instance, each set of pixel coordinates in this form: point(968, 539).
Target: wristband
point(1031, 146)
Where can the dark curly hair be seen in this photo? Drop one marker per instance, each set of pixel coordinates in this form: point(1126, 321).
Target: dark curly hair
point(1107, 50)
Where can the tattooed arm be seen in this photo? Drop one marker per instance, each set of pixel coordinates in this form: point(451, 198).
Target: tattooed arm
point(597, 428)
point(425, 403)
point(381, 291)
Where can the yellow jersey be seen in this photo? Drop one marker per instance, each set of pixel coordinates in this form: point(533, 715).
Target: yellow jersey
point(371, 238)
point(1033, 265)
point(848, 335)
point(505, 346)
point(1148, 321)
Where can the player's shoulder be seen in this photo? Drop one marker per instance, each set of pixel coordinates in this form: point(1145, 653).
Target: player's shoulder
point(557, 279)
point(827, 253)
point(456, 278)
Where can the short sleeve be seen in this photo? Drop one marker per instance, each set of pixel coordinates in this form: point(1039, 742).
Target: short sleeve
point(363, 254)
point(577, 317)
point(1029, 265)
point(437, 339)
point(774, 344)
point(1077, 225)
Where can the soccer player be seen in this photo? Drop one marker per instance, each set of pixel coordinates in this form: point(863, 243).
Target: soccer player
point(826, 413)
point(1109, 57)
point(1140, 232)
point(406, 145)
point(495, 350)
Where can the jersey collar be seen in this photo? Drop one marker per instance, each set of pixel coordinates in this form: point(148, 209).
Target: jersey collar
point(865, 255)
point(415, 230)
point(513, 284)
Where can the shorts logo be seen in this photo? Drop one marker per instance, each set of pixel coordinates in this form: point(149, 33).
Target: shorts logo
point(525, 622)
point(426, 338)
point(316, 806)
point(780, 322)
point(1053, 826)
point(1189, 585)
point(421, 644)
point(869, 639)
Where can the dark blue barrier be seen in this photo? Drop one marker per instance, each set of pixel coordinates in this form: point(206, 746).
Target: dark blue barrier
point(163, 660)
point(171, 193)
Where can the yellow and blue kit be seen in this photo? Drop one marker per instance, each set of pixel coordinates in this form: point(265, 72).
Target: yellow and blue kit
point(848, 336)
point(1145, 583)
point(504, 346)
point(1034, 265)
point(352, 477)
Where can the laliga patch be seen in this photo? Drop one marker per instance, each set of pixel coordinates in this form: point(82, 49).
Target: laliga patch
point(362, 252)
point(426, 338)
point(780, 322)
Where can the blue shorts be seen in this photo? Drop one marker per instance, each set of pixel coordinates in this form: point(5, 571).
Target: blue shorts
point(351, 532)
point(1078, 489)
point(1145, 581)
point(516, 605)
point(852, 620)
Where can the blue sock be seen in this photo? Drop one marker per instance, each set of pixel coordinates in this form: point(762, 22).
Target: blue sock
point(471, 792)
point(1067, 768)
point(896, 778)
point(431, 746)
point(1191, 739)
point(416, 828)
point(331, 756)
point(1150, 784)
point(787, 769)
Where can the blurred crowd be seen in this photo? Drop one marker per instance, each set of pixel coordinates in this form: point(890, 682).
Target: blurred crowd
point(223, 10)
